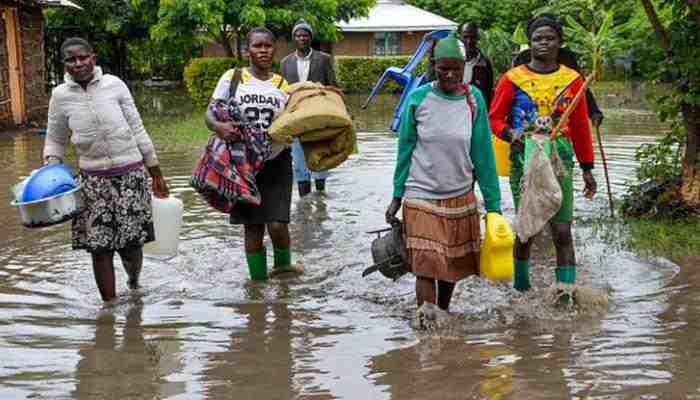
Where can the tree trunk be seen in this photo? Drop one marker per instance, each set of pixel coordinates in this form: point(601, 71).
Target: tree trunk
point(239, 47)
point(225, 41)
point(659, 29)
point(691, 173)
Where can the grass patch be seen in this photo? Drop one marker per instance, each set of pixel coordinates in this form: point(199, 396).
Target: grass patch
point(186, 128)
point(671, 238)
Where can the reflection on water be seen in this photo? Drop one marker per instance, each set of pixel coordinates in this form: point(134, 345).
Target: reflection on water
point(201, 330)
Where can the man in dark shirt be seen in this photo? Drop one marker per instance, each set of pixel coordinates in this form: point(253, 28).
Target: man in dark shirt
point(307, 64)
point(477, 68)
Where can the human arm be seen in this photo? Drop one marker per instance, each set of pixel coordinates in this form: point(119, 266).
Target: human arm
point(143, 142)
point(57, 131)
point(227, 131)
point(501, 107)
point(158, 184)
point(133, 119)
point(483, 158)
point(581, 138)
point(406, 146)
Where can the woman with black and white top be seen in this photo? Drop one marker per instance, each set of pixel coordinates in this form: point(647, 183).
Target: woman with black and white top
point(261, 96)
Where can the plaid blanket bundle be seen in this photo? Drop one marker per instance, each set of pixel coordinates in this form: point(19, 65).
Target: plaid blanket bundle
point(225, 172)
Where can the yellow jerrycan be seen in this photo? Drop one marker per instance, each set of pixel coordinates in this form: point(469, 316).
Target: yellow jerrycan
point(501, 149)
point(496, 262)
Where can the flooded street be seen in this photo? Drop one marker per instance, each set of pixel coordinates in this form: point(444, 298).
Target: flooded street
point(201, 330)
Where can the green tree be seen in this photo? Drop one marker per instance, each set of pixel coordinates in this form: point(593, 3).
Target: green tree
point(679, 40)
point(506, 15)
point(109, 25)
point(597, 43)
point(225, 22)
point(597, 30)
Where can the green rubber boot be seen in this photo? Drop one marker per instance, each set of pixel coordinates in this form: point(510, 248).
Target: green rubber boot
point(566, 275)
point(257, 264)
point(521, 279)
point(283, 263)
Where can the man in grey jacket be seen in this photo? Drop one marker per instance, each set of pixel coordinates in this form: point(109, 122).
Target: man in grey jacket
point(307, 64)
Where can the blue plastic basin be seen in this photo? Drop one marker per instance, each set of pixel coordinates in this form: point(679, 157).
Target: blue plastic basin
point(49, 181)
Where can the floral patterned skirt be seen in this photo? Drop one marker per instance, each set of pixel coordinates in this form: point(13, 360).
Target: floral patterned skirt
point(117, 212)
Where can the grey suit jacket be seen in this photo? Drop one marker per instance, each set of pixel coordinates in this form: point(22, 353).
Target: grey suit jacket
point(321, 69)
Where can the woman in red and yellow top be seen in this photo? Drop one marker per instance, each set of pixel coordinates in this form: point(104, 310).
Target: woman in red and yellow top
point(533, 97)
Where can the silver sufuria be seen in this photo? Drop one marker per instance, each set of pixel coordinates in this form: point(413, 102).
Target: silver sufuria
point(51, 210)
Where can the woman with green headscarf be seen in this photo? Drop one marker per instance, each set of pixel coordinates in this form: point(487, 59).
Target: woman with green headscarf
point(444, 148)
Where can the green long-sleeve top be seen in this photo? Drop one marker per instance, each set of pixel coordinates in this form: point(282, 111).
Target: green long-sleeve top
point(441, 151)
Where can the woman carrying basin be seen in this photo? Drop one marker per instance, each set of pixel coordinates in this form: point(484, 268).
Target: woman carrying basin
point(444, 148)
point(98, 113)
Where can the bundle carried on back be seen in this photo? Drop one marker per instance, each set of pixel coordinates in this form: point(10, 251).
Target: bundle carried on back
point(317, 116)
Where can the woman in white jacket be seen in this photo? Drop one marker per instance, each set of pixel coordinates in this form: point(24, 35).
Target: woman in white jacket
point(98, 112)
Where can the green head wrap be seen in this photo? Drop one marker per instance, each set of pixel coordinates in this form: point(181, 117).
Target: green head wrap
point(449, 47)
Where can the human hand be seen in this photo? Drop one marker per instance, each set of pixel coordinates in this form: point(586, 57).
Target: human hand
point(52, 160)
point(228, 131)
point(590, 185)
point(158, 184)
point(392, 210)
point(517, 144)
point(597, 119)
point(160, 188)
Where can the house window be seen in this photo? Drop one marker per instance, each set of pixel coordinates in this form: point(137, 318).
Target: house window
point(386, 43)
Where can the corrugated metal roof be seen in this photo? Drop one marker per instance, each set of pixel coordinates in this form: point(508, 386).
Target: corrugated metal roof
point(60, 3)
point(396, 16)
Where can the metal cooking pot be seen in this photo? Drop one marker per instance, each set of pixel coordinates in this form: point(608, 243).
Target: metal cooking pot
point(51, 210)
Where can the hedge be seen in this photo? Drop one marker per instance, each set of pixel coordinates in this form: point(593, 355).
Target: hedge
point(202, 74)
point(359, 74)
point(354, 74)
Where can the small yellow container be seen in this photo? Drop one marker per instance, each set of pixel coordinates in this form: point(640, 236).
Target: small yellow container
point(496, 261)
point(501, 149)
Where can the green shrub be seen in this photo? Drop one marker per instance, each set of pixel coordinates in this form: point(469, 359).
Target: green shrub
point(202, 74)
point(359, 74)
point(354, 74)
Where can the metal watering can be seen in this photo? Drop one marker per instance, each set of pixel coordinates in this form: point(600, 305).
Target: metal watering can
point(389, 253)
point(405, 77)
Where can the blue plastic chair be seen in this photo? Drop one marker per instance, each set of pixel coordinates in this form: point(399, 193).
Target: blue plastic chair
point(405, 77)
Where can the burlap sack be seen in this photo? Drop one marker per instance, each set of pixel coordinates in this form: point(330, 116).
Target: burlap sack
point(312, 108)
point(326, 154)
point(317, 116)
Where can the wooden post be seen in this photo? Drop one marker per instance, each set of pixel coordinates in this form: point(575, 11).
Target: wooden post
point(14, 56)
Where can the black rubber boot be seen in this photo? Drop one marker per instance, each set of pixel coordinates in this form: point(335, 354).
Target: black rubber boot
point(304, 188)
point(320, 185)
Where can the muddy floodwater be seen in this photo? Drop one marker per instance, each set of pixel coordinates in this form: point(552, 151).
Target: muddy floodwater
point(201, 330)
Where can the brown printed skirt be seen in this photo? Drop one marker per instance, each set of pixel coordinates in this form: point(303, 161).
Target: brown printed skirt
point(443, 237)
point(117, 212)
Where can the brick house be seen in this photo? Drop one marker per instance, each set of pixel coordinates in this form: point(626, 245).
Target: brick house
point(23, 96)
point(23, 90)
point(391, 28)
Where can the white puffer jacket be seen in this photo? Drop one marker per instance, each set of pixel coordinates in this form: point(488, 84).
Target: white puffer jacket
point(102, 122)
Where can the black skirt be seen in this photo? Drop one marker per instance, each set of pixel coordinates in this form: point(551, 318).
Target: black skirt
point(275, 185)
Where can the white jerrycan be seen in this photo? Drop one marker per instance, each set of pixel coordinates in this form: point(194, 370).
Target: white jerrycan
point(167, 221)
